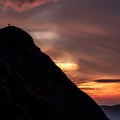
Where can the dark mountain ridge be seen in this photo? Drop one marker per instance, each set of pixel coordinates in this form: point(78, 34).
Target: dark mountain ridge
point(33, 87)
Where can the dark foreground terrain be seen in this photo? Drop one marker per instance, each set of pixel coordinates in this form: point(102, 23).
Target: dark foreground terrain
point(32, 87)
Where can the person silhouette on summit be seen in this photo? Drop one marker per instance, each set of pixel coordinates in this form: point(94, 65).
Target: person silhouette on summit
point(9, 24)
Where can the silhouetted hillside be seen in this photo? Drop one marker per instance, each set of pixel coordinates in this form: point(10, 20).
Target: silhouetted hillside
point(113, 112)
point(32, 87)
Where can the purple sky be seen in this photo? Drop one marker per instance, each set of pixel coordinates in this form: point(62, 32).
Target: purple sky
point(83, 33)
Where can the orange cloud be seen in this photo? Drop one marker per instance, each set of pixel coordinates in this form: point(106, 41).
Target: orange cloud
point(102, 92)
point(21, 5)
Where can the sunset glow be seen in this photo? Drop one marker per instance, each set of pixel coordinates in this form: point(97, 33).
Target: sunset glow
point(67, 66)
point(101, 92)
point(46, 35)
point(81, 36)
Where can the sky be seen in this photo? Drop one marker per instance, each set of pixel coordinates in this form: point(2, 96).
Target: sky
point(81, 36)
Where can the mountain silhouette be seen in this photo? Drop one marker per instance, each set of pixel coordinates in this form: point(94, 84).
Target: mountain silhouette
point(32, 87)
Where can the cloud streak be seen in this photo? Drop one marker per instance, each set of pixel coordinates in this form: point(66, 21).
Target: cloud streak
point(108, 81)
point(87, 33)
point(21, 5)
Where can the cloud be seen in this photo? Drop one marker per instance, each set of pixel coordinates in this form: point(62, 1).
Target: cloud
point(88, 32)
point(21, 5)
point(87, 88)
point(108, 81)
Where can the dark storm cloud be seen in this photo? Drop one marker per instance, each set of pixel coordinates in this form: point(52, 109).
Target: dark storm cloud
point(108, 81)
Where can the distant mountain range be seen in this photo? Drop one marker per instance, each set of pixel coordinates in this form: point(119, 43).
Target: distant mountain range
point(113, 112)
point(32, 87)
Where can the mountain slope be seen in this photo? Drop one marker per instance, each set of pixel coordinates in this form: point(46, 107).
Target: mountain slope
point(31, 81)
point(113, 112)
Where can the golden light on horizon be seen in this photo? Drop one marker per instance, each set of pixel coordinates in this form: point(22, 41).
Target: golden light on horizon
point(67, 66)
point(100, 91)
